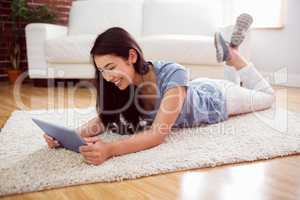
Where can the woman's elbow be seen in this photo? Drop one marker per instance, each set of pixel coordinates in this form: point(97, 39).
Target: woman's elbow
point(161, 138)
point(158, 136)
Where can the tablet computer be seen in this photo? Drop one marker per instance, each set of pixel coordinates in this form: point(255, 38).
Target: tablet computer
point(68, 138)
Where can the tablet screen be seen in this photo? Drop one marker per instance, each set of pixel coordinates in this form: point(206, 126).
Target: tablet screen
point(67, 137)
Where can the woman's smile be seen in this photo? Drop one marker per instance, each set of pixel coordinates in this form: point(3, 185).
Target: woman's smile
point(118, 82)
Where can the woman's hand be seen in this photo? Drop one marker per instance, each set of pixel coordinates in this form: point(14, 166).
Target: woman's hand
point(52, 143)
point(84, 133)
point(91, 128)
point(96, 151)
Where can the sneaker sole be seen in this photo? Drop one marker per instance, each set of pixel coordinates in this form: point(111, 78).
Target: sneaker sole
point(243, 23)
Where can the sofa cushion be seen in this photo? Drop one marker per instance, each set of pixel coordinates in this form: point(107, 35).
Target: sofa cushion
point(191, 17)
point(189, 49)
point(69, 49)
point(94, 16)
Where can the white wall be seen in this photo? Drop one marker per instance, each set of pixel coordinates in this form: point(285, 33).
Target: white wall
point(277, 50)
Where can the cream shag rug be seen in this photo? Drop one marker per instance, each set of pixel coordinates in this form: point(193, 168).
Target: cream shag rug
point(26, 164)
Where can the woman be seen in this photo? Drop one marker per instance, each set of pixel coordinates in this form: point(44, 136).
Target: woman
point(131, 91)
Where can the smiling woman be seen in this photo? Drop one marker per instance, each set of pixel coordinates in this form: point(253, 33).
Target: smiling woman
point(120, 68)
point(131, 90)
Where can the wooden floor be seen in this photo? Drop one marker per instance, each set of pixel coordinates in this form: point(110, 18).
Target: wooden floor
point(272, 179)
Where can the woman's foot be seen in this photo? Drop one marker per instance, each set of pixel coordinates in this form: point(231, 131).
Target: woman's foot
point(230, 55)
point(228, 52)
point(242, 24)
point(222, 48)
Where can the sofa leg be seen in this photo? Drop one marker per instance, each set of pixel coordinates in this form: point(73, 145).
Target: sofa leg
point(41, 82)
point(65, 82)
point(54, 82)
point(90, 81)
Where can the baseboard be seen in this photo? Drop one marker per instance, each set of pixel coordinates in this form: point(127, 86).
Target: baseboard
point(282, 78)
point(59, 82)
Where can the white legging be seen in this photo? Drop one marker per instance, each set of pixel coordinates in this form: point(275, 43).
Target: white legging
point(254, 95)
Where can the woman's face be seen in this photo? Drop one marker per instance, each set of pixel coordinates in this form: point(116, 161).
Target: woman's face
point(117, 70)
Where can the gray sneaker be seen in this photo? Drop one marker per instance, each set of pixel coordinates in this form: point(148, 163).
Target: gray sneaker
point(243, 22)
point(222, 48)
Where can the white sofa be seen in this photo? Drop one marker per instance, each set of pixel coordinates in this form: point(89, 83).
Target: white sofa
point(177, 30)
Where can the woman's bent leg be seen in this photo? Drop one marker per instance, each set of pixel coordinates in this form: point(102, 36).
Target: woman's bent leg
point(256, 93)
point(252, 79)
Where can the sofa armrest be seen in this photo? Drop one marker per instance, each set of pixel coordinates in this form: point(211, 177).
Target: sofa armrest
point(36, 35)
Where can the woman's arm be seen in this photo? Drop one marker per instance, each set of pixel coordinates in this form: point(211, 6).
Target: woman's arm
point(91, 128)
point(138, 142)
point(167, 114)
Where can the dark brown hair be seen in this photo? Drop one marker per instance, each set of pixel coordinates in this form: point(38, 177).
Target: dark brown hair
point(117, 41)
